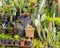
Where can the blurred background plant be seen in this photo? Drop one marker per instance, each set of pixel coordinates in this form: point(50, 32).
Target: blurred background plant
point(43, 14)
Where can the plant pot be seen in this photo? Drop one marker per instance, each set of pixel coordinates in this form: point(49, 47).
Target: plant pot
point(10, 32)
point(4, 31)
point(3, 41)
point(22, 43)
point(9, 41)
point(16, 42)
point(6, 40)
point(29, 31)
point(1, 31)
point(12, 42)
point(28, 43)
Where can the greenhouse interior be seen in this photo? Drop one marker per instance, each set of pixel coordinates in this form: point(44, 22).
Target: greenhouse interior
point(29, 23)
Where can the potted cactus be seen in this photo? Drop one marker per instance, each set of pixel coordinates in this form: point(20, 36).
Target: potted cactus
point(29, 31)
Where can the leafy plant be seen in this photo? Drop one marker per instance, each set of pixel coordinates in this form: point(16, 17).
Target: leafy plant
point(2, 36)
point(36, 43)
point(8, 36)
point(10, 28)
point(16, 37)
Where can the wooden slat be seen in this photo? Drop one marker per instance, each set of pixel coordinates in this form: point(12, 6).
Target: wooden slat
point(9, 45)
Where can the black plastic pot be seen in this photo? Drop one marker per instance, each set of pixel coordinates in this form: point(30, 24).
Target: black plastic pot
point(8, 41)
point(28, 43)
point(12, 42)
point(3, 41)
point(16, 42)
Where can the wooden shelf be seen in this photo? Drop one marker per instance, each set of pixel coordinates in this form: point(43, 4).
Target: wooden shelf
point(13, 45)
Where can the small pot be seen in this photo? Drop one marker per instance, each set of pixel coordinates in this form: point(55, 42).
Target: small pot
point(29, 31)
point(10, 32)
point(6, 40)
point(12, 42)
point(3, 41)
point(1, 31)
point(22, 43)
point(16, 42)
point(28, 43)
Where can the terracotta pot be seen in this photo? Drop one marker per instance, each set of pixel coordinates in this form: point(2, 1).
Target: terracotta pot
point(22, 43)
point(29, 33)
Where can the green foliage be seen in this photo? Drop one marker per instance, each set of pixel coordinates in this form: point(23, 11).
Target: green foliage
point(56, 20)
point(5, 36)
point(8, 36)
point(36, 43)
point(58, 35)
point(18, 21)
point(2, 36)
point(10, 28)
point(16, 37)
